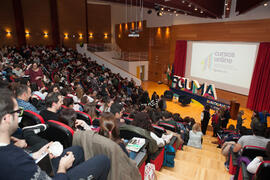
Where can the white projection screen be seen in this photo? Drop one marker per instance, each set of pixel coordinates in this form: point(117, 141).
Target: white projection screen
point(227, 65)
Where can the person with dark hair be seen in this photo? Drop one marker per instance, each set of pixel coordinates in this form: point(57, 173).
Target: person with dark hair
point(239, 120)
point(23, 94)
point(53, 103)
point(205, 116)
point(117, 109)
point(68, 102)
point(255, 163)
point(109, 129)
point(68, 117)
point(35, 73)
point(162, 103)
point(90, 109)
point(257, 139)
point(142, 120)
point(69, 165)
point(167, 118)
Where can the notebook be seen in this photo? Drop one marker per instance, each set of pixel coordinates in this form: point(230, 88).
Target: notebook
point(135, 144)
point(45, 164)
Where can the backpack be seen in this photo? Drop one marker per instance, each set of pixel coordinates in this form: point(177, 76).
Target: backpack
point(169, 155)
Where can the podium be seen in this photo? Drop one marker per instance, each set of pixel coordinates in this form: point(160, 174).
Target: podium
point(234, 109)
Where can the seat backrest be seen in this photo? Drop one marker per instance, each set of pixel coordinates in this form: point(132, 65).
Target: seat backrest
point(167, 126)
point(252, 151)
point(158, 130)
point(30, 118)
point(61, 132)
point(126, 134)
point(98, 112)
point(85, 117)
point(96, 122)
point(128, 120)
point(263, 172)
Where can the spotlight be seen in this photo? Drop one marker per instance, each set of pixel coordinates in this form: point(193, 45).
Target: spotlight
point(189, 5)
point(201, 12)
point(162, 8)
point(195, 9)
point(265, 4)
point(149, 11)
point(159, 13)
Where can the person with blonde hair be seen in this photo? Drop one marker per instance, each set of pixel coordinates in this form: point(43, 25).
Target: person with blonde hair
point(195, 136)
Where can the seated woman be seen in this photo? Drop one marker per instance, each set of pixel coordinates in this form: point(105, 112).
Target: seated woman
point(109, 129)
point(90, 109)
point(255, 163)
point(142, 120)
point(195, 136)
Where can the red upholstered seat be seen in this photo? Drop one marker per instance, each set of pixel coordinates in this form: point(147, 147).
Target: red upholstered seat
point(85, 117)
point(30, 118)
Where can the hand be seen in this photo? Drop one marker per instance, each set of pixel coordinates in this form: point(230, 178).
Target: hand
point(66, 162)
point(21, 143)
point(82, 124)
point(260, 158)
point(42, 150)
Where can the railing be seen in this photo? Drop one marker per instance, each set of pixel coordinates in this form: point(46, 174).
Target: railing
point(131, 56)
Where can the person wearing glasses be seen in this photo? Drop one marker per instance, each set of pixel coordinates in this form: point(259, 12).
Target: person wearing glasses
point(18, 164)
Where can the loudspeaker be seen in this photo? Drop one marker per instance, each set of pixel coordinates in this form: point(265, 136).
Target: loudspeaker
point(168, 95)
point(184, 100)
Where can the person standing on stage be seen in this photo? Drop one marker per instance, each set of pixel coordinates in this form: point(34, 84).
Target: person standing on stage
point(205, 116)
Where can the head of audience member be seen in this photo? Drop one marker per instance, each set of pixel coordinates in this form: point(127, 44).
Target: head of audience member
point(54, 88)
point(35, 66)
point(117, 109)
point(258, 128)
point(90, 109)
point(108, 127)
point(9, 111)
point(231, 127)
point(23, 92)
point(68, 102)
point(68, 117)
point(196, 128)
point(167, 116)
point(85, 100)
point(53, 101)
point(142, 120)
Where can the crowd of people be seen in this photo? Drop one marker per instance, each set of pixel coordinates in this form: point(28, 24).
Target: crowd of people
point(57, 82)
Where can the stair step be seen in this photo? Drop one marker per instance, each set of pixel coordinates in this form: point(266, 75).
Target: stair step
point(165, 176)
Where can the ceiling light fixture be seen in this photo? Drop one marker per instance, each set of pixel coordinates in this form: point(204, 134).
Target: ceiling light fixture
point(189, 5)
point(195, 9)
point(183, 1)
point(201, 12)
point(227, 9)
point(162, 8)
point(169, 10)
point(265, 4)
point(174, 12)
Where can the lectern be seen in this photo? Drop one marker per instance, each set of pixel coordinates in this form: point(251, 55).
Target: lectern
point(234, 109)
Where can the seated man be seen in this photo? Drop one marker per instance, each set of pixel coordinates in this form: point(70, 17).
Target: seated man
point(66, 166)
point(53, 102)
point(23, 94)
point(256, 139)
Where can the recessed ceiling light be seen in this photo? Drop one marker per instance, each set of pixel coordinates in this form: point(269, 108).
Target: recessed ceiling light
point(265, 4)
point(162, 8)
point(189, 5)
point(195, 9)
point(183, 1)
point(174, 11)
point(227, 9)
point(201, 12)
point(226, 4)
point(169, 10)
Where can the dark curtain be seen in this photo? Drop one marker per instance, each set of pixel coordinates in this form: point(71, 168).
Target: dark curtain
point(259, 93)
point(180, 58)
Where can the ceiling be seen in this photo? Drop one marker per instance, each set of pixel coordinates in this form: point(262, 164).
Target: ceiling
point(199, 8)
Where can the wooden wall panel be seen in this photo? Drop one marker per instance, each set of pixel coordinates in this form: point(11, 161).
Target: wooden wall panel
point(71, 16)
point(242, 99)
point(99, 23)
point(159, 53)
point(7, 22)
point(131, 44)
point(37, 20)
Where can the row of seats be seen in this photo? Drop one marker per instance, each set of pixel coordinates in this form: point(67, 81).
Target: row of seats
point(238, 164)
point(58, 131)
